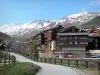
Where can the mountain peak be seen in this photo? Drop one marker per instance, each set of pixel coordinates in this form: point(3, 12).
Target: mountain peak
point(83, 13)
point(31, 28)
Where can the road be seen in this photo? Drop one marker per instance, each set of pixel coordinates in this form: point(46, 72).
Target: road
point(50, 69)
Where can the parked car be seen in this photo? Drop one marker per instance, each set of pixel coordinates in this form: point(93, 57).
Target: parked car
point(68, 56)
point(95, 56)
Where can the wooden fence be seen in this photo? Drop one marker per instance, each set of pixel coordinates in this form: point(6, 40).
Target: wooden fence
point(76, 62)
point(7, 59)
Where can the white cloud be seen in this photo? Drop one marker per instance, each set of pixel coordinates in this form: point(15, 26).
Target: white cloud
point(94, 2)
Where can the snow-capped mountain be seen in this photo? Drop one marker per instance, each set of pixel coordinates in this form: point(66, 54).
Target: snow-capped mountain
point(29, 29)
point(78, 19)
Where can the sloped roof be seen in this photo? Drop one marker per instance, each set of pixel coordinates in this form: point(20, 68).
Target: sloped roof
point(70, 28)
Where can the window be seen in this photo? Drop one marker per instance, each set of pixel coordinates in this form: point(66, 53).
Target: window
point(50, 31)
point(90, 39)
point(83, 38)
point(96, 45)
point(75, 37)
point(83, 43)
point(63, 38)
point(75, 42)
point(96, 40)
point(70, 42)
point(70, 37)
point(61, 43)
point(49, 45)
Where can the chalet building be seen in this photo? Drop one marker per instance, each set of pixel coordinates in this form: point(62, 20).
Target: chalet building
point(94, 43)
point(64, 42)
point(45, 42)
point(34, 46)
point(71, 41)
point(38, 41)
point(49, 45)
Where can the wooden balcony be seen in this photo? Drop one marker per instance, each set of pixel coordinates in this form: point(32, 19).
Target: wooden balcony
point(47, 36)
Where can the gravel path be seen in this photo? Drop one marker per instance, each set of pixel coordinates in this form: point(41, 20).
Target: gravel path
point(49, 69)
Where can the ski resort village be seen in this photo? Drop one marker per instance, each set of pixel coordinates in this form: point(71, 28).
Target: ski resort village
point(49, 37)
point(70, 42)
point(70, 46)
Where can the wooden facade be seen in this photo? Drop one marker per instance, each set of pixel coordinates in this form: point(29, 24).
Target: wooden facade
point(94, 42)
point(50, 40)
point(61, 41)
point(45, 41)
point(38, 41)
point(72, 41)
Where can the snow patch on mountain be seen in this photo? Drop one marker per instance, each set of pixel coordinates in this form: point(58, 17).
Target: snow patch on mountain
point(20, 29)
point(82, 17)
point(33, 27)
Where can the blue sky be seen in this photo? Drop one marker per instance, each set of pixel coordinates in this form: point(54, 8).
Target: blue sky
point(23, 11)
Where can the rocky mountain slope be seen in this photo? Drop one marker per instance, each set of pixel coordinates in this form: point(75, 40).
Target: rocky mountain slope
point(95, 22)
point(25, 31)
point(4, 38)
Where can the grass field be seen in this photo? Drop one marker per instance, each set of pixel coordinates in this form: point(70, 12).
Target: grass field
point(19, 69)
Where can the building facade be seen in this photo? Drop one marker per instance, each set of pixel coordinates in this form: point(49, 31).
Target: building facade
point(72, 41)
point(94, 43)
point(64, 42)
point(49, 45)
